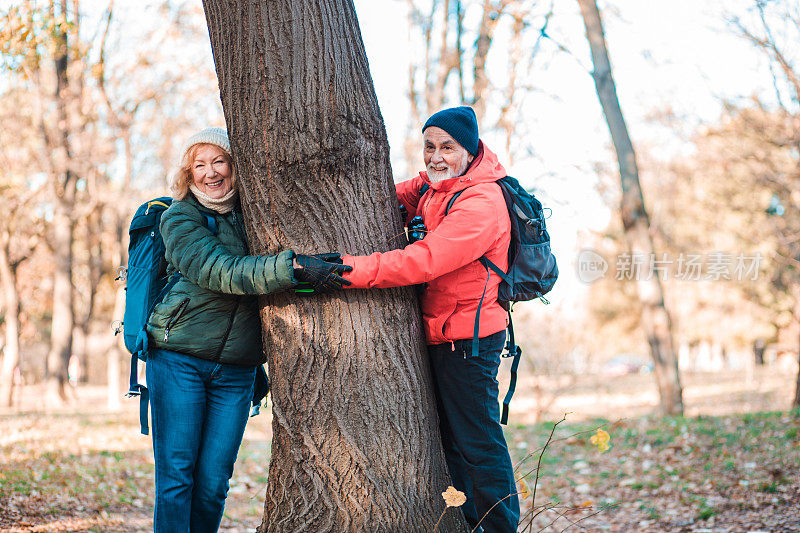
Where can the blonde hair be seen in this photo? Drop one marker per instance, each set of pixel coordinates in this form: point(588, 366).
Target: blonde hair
point(180, 180)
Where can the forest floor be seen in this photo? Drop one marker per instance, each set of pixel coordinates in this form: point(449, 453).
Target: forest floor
point(731, 465)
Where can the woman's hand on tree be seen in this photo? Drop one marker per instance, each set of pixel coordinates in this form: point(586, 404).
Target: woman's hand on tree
point(319, 273)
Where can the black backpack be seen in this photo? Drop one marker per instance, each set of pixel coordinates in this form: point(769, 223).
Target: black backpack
point(532, 268)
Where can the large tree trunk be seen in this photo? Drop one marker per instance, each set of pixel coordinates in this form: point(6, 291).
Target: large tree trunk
point(655, 317)
point(355, 441)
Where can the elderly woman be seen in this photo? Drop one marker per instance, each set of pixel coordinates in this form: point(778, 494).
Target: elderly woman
point(206, 335)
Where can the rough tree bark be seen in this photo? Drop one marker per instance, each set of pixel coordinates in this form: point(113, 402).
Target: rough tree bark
point(355, 440)
point(655, 317)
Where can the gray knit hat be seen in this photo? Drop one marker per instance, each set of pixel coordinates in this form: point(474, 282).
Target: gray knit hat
point(215, 136)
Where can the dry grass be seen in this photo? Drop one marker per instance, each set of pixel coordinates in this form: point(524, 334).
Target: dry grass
point(82, 468)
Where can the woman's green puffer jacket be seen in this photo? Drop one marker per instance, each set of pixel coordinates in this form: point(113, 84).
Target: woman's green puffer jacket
point(212, 312)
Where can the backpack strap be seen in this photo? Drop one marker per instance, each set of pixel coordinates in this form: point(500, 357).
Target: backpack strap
point(260, 390)
point(143, 348)
point(136, 388)
point(142, 341)
point(476, 329)
point(497, 270)
point(452, 201)
point(513, 350)
point(211, 223)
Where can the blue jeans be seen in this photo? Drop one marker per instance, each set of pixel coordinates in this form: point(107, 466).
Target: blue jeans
point(469, 422)
point(199, 411)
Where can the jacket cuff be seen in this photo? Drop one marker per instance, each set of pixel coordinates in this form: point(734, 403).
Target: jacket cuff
point(284, 269)
point(349, 260)
point(359, 277)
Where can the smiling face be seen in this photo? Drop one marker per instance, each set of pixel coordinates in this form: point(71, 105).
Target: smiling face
point(444, 157)
point(211, 170)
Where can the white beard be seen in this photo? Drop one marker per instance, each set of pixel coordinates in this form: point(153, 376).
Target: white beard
point(440, 175)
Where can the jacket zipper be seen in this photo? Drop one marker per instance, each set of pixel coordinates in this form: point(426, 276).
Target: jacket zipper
point(238, 227)
point(174, 318)
point(452, 342)
point(227, 331)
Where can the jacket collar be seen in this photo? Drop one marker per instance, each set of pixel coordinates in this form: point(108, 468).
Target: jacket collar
point(203, 209)
point(485, 168)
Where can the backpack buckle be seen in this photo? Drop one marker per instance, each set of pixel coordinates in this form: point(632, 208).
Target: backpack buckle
point(517, 351)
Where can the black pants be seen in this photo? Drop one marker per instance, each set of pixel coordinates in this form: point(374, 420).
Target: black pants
point(469, 420)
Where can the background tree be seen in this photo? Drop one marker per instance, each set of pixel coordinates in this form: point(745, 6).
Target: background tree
point(655, 318)
point(773, 28)
point(355, 441)
point(745, 173)
point(120, 99)
point(137, 91)
point(453, 40)
point(41, 44)
point(20, 231)
point(19, 235)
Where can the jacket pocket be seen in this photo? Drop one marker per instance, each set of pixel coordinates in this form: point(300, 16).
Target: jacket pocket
point(443, 328)
point(173, 318)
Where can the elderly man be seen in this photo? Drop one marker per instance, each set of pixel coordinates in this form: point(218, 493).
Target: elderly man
point(446, 259)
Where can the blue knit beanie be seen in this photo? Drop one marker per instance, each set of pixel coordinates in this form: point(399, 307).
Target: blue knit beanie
point(461, 123)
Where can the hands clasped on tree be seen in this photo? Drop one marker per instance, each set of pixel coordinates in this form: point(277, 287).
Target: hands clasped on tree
point(319, 273)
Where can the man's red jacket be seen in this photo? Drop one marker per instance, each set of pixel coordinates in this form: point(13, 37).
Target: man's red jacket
point(447, 258)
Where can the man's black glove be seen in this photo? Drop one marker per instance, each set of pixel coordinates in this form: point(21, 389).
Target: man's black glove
point(320, 273)
point(331, 258)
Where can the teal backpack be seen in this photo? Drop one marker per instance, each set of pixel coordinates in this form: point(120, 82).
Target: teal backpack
point(146, 284)
point(532, 268)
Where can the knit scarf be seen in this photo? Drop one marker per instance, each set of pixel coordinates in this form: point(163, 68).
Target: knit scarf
point(220, 205)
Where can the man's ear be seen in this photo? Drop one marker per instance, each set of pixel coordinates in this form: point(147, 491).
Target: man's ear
point(470, 157)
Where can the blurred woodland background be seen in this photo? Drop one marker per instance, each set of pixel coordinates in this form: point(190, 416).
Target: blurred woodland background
point(97, 96)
